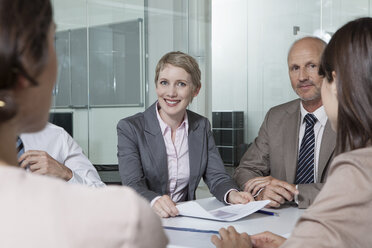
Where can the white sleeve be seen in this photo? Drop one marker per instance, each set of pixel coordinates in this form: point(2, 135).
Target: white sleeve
point(225, 196)
point(154, 200)
point(82, 169)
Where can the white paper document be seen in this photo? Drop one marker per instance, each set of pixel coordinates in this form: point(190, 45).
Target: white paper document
point(226, 213)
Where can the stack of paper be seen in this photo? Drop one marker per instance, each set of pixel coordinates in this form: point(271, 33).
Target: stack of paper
point(226, 213)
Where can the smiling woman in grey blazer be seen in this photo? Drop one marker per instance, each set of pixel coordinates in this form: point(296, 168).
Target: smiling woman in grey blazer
point(165, 151)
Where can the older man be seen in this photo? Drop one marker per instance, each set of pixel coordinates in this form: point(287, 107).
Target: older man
point(289, 159)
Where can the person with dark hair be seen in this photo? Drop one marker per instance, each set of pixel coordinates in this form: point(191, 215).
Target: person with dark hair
point(39, 211)
point(340, 213)
point(165, 151)
point(289, 159)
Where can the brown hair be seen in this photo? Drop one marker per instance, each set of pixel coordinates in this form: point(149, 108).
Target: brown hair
point(349, 54)
point(183, 61)
point(24, 27)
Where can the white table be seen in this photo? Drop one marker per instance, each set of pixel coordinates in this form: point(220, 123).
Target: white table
point(255, 223)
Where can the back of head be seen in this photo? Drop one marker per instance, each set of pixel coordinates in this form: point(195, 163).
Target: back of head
point(184, 61)
point(349, 54)
point(24, 27)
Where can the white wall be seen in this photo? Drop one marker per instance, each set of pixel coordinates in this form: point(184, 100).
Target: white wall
point(338, 12)
point(229, 55)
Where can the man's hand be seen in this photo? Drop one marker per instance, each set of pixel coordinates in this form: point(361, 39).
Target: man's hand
point(165, 207)
point(39, 162)
point(255, 184)
point(230, 238)
point(267, 240)
point(236, 197)
point(277, 192)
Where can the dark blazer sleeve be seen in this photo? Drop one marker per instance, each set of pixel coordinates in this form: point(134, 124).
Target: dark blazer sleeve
point(130, 165)
point(215, 176)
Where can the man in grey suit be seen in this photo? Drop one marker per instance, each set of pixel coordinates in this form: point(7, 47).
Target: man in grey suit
point(294, 138)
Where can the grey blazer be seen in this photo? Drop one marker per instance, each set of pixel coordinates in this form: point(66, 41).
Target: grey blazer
point(143, 159)
point(275, 151)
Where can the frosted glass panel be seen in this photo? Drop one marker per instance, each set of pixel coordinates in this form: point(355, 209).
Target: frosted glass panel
point(62, 88)
point(79, 76)
point(71, 86)
point(115, 69)
point(115, 64)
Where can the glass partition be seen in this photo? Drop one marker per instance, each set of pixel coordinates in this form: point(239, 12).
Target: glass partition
point(107, 52)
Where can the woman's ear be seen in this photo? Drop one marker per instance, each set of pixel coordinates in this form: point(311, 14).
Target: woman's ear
point(334, 83)
point(22, 82)
point(196, 92)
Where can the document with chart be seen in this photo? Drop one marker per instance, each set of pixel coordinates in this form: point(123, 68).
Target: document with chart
point(226, 213)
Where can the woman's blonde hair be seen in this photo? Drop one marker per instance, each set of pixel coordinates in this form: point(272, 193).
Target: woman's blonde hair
point(184, 61)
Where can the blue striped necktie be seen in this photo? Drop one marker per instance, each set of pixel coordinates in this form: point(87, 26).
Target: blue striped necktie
point(305, 168)
point(20, 147)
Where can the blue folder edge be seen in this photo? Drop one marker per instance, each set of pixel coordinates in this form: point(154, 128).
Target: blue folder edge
point(184, 229)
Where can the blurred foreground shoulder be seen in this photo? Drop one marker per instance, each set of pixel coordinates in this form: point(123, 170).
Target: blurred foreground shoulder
point(51, 213)
point(128, 219)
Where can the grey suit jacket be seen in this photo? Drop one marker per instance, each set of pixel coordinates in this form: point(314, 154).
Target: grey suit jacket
point(143, 163)
point(275, 151)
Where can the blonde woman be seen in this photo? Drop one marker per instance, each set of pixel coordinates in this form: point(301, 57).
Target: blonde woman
point(165, 151)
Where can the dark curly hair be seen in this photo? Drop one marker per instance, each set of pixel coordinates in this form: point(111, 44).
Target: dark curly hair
point(24, 27)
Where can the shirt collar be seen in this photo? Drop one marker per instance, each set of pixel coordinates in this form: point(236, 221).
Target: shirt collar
point(164, 126)
point(320, 114)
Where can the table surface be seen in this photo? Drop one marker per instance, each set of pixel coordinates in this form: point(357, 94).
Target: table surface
point(282, 224)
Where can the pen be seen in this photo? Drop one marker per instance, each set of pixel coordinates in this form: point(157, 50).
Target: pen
point(189, 229)
point(267, 212)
